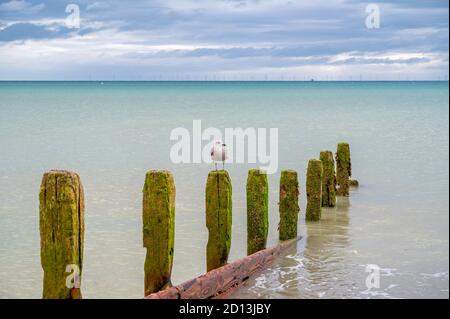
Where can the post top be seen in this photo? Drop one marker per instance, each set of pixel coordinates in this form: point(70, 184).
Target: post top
point(257, 171)
point(158, 172)
point(60, 172)
point(326, 152)
point(218, 172)
point(288, 172)
point(343, 144)
point(315, 161)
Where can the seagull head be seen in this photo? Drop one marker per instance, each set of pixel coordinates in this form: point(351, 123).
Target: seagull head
point(219, 143)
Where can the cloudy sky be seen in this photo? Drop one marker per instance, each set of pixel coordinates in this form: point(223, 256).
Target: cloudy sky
point(224, 40)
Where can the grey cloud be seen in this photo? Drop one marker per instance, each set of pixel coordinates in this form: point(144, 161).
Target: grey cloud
point(247, 35)
point(362, 60)
point(27, 31)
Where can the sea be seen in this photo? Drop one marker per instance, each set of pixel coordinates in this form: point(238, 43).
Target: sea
point(388, 239)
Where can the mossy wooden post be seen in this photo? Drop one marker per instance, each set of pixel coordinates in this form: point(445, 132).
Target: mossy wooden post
point(257, 210)
point(343, 168)
point(158, 213)
point(218, 218)
point(328, 179)
point(61, 225)
point(314, 190)
point(288, 205)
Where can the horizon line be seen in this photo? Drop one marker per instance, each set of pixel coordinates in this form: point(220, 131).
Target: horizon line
point(255, 80)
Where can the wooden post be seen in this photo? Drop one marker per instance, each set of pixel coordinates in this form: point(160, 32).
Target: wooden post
point(344, 168)
point(222, 282)
point(328, 179)
point(314, 190)
point(288, 205)
point(218, 218)
point(257, 210)
point(158, 214)
point(61, 225)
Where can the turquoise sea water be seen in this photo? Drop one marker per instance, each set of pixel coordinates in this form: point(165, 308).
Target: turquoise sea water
point(112, 133)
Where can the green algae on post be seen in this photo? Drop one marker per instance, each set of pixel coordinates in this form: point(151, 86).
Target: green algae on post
point(343, 168)
point(61, 226)
point(288, 205)
point(218, 202)
point(353, 183)
point(314, 190)
point(328, 179)
point(257, 210)
point(158, 214)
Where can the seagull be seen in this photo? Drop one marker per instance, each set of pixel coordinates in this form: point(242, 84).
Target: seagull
point(219, 153)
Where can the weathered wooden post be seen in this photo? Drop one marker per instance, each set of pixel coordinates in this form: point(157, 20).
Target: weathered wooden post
point(222, 282)
point(218, 218)
point(61, 225)
point(328, 179)
point(344, 168)
point(314, 190)
point(257, 210)
point(288, 205)
point(158, 214)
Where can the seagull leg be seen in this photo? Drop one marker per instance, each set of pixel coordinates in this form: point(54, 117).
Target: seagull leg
point(223, 165)
point(215, 165)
